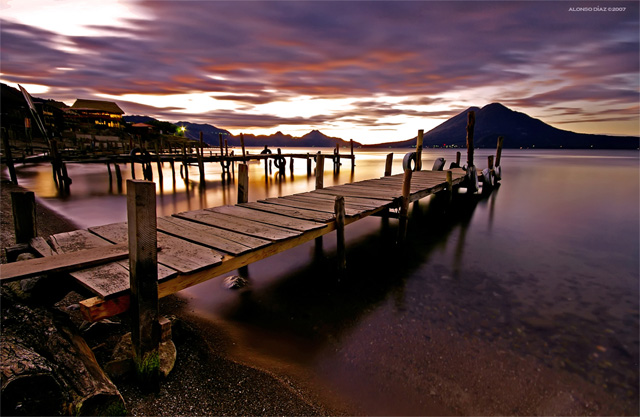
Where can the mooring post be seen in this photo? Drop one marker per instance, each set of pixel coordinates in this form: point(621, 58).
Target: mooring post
point(200, 154)
point(244, 152)
point(23, 204)
point(243, 183)
point(9, 157)
point(319, 171)
point(499, 150)
point(118, 174)
point(404, 206)
point(458, 155)
point(472, 176)
point(291, 165)
point(339, 210)
point(450, 185)
point(353, 157)
point(308, 165)
point(173, 169)
point(143, 277)
point(109, 171)
point(387, 165)
point(419, 141)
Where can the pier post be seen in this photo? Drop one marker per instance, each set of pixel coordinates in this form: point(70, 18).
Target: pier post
point(353, 157)
point(244, 153)
point(143, 276)
point(308, 165)
point(319, 171)
point(109, 172)
point(200, 153)
point(243, 183)
point(471, 122)
point(221, 145)
point(9, 157)
point(450, 185)
point(419, 141)
point(339, 210)
point(458, 156)
point(387, 165)
point(404, 206)
point(499, 150)
point(118, 175)
point(173, 170)
point(291, 165)
point(23, 204)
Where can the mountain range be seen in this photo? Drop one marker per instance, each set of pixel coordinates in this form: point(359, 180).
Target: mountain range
point(493, 120)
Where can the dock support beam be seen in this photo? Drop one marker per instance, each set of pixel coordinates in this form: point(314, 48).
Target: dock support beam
point(9, 157)
point(419, 150)
point(143, 276)
point(339, 210)
point(243, 183)
point(404, 206)
point(472, 175)
point(24, 215)
point(387, 165)
point(319, 171)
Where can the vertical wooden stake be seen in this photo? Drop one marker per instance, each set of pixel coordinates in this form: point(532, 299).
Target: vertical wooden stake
point(471, 122)
point(243, 183)
point(200, 155)
point(458, 159)
point(404, 206)
point(244, 153)
point(339, 210)
point(353, 157)
point(109, 171)
point(387, 165)
point(118, 174)
point(221, 145)
point(143, 276)
point(291, 165)
point(450, 185)
point(9, 158)
point(319, 171)
point(499, 150)
point(308, 165)
point(23, 204)
point(173, 170)
point(419, 149)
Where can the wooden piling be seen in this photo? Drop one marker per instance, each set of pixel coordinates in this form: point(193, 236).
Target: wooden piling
point(23, 204)
point(200, 154)
point(109, 172)
point(221, 145)
point(471, 122)
point(339, 210)
point(244, 152)
point(308, 165)
point(499, 150)
point(243, 183)
point(419, 141)
point(291, 165)
point(118, 173)
point(458, 156)
point(143, 276)
point(404, 206)
point(9, 157)
point(387, 165)
point(173, 169)
point(353, 157)
point(319, 171)
point(450, 185)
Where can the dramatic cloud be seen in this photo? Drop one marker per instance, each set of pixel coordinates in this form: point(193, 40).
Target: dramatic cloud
point(371, 65)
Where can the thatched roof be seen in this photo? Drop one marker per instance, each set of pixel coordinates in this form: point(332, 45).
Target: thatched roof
point(106, 106)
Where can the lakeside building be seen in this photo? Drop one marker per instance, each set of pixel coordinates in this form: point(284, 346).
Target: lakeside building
point(100, 113)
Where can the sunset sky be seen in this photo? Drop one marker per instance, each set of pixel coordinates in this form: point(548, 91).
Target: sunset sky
point(372, 71)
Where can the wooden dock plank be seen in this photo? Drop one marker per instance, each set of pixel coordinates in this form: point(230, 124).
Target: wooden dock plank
point(198, 233)
point(290, 211)
point(362, 201)
point(269, 218)
point(67, 262)
point(239, 225)
point(239, 238)
point(185, 257)
point(355, 192)
point(327, 202)
point(327, 207)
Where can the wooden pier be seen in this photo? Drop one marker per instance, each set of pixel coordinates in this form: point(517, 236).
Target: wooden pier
point(168, 254)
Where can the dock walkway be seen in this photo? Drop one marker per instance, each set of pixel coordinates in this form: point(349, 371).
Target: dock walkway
point(199, 245)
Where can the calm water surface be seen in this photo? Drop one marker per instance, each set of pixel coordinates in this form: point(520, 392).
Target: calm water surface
point(547, 266)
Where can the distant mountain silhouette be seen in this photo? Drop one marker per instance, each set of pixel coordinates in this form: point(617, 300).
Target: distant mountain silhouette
point(518, 129)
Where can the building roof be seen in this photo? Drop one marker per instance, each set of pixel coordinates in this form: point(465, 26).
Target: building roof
point(107, 106)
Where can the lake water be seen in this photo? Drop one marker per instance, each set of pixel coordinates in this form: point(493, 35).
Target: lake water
point(545, 270)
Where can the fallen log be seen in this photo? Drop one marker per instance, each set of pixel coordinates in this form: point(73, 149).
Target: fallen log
point(47, 368)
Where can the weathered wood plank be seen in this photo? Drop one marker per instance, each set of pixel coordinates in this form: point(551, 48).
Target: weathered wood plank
point(250, 242)
point(62, 263)
point(40, 245)
point(269, 218)
point(239, 225)
point(324, 198)
point(290, 211)
point(185, 257)
point(319, 206)
point(363, 201)
point(354, 192)
point(198, 233)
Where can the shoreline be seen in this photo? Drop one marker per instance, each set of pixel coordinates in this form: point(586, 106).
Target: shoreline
point(205, 380)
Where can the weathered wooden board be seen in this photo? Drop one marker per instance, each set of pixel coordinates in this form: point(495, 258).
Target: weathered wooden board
point(200, 234)
point(326, 198)
point(185, 257)
point(40, 245)
point(239, 238)
point(312, 215)
point(269, 218)
point(354, 192)
point(62, 263)
point(327, 207)
point(239, 225)
point(362, 201)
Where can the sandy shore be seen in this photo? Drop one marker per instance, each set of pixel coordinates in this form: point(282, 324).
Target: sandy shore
point(205, 381)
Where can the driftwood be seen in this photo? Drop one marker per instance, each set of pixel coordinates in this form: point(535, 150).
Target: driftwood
point(46, 368)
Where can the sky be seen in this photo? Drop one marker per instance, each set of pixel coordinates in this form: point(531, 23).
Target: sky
point(372, 71)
